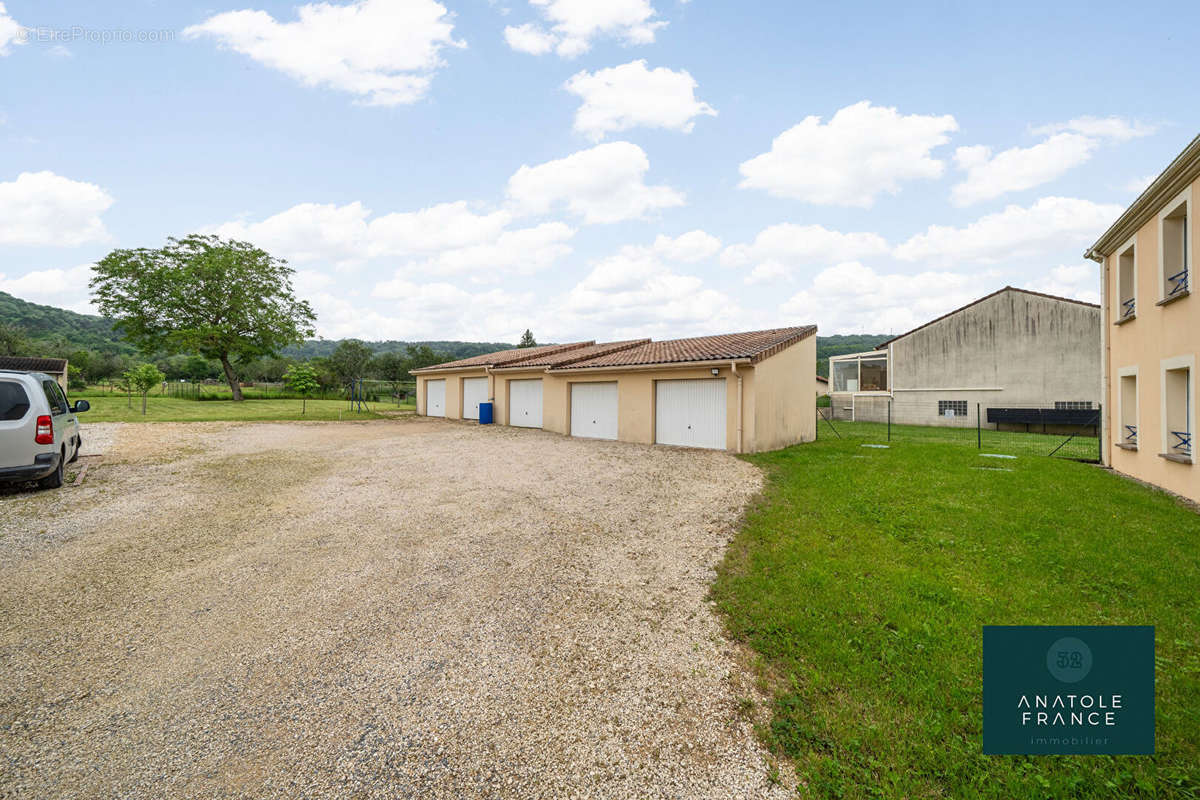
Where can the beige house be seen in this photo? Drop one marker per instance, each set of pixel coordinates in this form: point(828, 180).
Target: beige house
point(1151, 331)
point(743, 392)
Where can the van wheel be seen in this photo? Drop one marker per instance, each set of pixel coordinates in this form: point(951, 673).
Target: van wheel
point(55, 479)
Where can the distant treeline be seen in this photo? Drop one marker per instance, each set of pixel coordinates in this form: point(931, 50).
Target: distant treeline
point(839, 345)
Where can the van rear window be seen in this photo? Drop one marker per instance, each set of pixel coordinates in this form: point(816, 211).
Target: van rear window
point(14, 403)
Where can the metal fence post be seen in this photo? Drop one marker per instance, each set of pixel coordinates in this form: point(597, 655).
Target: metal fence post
point(978, 428)
point(889, 419)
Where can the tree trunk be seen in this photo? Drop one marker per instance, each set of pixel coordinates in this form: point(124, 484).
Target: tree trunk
point(144, 403)
point(303, 404)
point(229, 376)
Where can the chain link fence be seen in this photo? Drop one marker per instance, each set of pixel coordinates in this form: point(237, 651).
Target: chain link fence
point(1068, 430)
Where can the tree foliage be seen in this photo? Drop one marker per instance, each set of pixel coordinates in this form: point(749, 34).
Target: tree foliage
point(349, 361)
point(302, 379)
point(225, 300)
point(142, 379)
point(527, 339)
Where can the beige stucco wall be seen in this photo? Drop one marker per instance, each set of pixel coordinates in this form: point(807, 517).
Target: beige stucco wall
point(778, 397)
point(1157, 333)
point(785, 397)
point(454, 389)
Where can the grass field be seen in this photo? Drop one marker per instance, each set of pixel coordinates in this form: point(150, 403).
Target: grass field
point(862, 580)
point(114, 408)
point(1085, 448)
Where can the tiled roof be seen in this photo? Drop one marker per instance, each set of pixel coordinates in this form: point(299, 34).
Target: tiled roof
point(503, 357)
point(752, 345)
point(33, 364)
point(565, 357)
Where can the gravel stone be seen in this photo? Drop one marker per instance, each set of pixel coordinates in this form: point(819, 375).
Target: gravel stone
point(386, 609)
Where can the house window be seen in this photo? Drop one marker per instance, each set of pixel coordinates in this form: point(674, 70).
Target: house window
point(1072, 405)
point(1174, 246)
point(1126, 284)
point(952, 408)
point(845, 375)
point(872, 375)
point(1177, 420)
point(1127, 435)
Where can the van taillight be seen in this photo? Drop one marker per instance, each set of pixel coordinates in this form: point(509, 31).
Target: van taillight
point(45, 430)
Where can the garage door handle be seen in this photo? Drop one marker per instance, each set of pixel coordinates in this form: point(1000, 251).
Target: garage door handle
point(689, 427)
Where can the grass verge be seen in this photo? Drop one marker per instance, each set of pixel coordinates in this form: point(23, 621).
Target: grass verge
point(862, 580)
point(169, 409)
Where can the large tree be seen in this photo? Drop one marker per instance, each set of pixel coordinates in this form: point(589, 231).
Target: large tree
point(226, 300)
point(350, 361)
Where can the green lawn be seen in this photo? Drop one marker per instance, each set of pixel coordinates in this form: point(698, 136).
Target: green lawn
point(113, 408)
point(862, 580)
point(1083, 447)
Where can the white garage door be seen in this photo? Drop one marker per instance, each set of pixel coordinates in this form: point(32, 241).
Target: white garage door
point(690, 413)
point(525, 403)
point(435, 398)
point(594, 410)
point(474, 393)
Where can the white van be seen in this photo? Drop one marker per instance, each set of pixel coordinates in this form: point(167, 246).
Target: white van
point(39, 433)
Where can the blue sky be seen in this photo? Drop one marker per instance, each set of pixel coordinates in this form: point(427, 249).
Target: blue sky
point(465, 170)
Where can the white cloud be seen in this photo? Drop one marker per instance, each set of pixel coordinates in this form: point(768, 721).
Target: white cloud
point(435, 310)
point(574, 24)
point(517, 252)
point(1050, 224)
point(444, 239)
point(529, 38)
point(624, 97)
point(383, 51)
point(41, 208)
point(1079, 281)
point(852, 298)
point(64, 288)
point(1017, 168)
point(779, 250)
point(307, 232)
point(634, 293)
point(10, 31)
point(688, 247)
point(439, 227)
point(1113, 128)
point(864, 150)
point(603, 184)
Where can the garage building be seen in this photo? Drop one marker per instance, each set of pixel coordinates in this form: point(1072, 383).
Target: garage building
point(743, 392)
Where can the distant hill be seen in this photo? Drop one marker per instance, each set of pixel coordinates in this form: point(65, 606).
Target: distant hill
point(62, 331)
point(48, 323)
point(839, 345)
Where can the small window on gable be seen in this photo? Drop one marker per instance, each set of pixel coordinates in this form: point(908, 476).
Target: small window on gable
point(952, 408)
point(1126, 284)
point(1175, 249)
point(1178, 432)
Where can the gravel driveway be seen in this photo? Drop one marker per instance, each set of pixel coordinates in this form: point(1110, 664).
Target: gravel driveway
point(385, 609)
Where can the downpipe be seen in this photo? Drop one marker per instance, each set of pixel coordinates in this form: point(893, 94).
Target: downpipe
point(733, 366)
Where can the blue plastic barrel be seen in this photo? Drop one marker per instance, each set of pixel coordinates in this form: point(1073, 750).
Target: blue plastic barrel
point(485, 413)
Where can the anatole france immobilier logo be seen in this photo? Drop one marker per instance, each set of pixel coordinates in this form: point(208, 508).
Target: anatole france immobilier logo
point(1068, 689)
